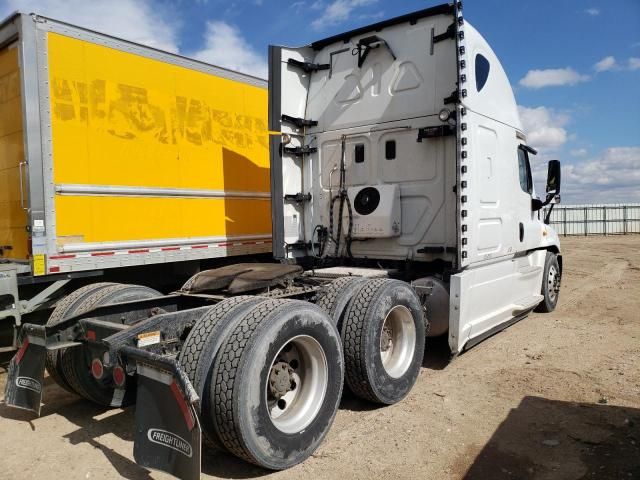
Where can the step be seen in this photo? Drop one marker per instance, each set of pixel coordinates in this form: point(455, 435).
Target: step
point(526, 303)
point(529, 270)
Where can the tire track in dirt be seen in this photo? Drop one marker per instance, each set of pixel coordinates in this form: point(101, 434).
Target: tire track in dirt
point(608, 276)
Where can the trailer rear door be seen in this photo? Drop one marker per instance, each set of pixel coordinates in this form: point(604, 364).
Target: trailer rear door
point(13, 217)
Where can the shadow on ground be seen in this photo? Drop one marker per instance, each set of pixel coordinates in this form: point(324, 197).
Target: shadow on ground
point(437, 354)
point(551, 439)
point(94, 421)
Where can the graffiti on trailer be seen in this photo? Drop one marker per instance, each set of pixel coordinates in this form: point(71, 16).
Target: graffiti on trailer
point(131, 115)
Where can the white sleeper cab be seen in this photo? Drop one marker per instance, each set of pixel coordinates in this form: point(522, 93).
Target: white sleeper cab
point(402, 207)
point(422, 106)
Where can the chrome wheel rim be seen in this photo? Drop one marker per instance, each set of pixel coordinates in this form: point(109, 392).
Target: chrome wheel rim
point(397, 341)
point(553, 283)
point(297, 384)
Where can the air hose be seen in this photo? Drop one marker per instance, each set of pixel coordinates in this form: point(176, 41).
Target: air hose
point(343, 198)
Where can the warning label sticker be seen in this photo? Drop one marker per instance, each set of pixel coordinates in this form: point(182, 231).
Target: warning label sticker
point(149, 338)
point(39, 264)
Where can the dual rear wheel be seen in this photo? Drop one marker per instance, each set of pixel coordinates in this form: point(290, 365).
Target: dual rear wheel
point(382, 328)
point(270, 372)
point(270, 376)
point(71, 368)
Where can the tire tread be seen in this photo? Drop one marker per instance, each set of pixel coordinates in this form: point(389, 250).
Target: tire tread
point(353, 332)
point(69, 365)
point(52, 360)
point(190, 356)
point(226, 373)
point(330, 297)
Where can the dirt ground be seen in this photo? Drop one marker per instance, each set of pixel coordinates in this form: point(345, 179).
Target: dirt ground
point(555, 396)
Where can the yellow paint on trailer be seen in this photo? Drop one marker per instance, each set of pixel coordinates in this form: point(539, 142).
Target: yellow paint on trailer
point(125, 120)
point(13, 218)
point(142, 218)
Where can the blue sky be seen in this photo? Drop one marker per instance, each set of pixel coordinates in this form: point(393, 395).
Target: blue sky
point(574, 64)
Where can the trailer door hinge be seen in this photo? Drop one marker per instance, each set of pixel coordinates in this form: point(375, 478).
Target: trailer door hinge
point(298, 197)
point(450, 33)
point(434, 132)
point(299, 122)
point(308, 67)
point(300, 151)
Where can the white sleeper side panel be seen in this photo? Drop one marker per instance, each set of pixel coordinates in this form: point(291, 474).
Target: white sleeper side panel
point(485, 297)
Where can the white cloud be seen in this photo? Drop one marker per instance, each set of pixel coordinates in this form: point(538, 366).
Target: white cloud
point(552, 77)
point(579, 152)
point(139, 21)
point(371, 17)
point(226, 47)
point(634, 63)
point(594, 12)
point(544, 127)
point(607, 63)
point(337, 12)
point(611, 177)
point(148, 23)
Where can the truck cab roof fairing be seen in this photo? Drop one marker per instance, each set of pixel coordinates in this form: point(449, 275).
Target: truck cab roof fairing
point(495, 96)
point(443, 9)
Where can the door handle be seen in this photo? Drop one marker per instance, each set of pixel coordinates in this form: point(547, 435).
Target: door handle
point(521, 232)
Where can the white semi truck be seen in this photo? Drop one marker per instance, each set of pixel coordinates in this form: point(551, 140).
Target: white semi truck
point(403, 207)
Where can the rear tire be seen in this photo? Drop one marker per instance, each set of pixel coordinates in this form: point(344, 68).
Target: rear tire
point(335, 297)
point(550, 284)
point(201, 347)
point(383, 339)
point(64, 309)
point(76, 361)
point(269, 410)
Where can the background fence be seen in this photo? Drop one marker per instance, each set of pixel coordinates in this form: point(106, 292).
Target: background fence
point(614, 219)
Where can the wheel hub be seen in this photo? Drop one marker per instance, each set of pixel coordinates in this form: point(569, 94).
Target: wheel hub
point(397, 341)
point(280, 380)
point(297, 383)
point(553, 283)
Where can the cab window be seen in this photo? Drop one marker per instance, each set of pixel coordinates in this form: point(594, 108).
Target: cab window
point(524, 171)
point(482, 71)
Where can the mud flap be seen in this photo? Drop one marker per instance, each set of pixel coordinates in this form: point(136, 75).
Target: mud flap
point(168, 435)
point(26, 372)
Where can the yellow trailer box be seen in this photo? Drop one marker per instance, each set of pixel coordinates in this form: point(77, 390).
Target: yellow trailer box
point(114, 154)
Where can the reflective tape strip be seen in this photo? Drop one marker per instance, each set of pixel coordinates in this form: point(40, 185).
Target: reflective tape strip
point(142, 244)
point(57, 260)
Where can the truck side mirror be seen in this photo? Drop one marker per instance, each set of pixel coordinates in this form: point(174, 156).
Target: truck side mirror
point(553, 187)
point(553, 177)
